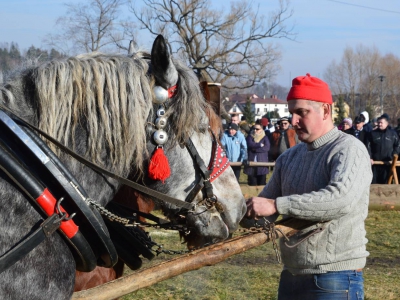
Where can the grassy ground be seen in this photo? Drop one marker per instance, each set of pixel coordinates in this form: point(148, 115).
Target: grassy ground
point(255, 273)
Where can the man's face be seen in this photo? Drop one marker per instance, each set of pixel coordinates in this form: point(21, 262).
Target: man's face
point(284, 125)
point(232, 132)
point(382, 124)
point(235, 119)
point(359, 126)
point(307, 119)
point(346, 126)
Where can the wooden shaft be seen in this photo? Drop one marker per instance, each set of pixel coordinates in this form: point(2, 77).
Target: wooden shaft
point(393, 173)
point(192, 261)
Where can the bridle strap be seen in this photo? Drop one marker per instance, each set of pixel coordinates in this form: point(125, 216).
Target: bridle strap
point(152, 193)
point(204, 170)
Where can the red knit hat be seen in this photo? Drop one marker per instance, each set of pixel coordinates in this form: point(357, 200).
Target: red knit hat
point(310, 88)
point(264, 122)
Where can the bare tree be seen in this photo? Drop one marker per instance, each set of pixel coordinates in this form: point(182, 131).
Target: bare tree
point(91, 25)
point(227, 46)
point(389, 66)
point(357, 78)
point(349, 76)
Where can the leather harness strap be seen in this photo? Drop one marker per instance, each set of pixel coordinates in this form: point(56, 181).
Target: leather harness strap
point(54, 175)
point(85, 257)
point(19, 251)
point(204, 171)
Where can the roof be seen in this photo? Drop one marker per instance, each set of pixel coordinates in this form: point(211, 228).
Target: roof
point(242, 98)
point(229, 104)
point(268, 101)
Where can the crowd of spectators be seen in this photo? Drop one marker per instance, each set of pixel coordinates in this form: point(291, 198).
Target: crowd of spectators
point(381, 140)
point(263, 141)
point(260, 141)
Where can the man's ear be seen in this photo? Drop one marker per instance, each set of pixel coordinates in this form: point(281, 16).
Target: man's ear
point(326, 111)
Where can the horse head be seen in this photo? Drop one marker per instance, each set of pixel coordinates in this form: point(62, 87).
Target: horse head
point(187, 115)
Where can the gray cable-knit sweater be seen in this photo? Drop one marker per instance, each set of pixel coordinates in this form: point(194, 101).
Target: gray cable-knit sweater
point(327, 180)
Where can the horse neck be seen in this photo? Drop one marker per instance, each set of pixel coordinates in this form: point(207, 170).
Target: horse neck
point(132, 199)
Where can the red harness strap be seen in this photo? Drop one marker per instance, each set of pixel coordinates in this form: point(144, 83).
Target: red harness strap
point(219, 164)
point(48, 203)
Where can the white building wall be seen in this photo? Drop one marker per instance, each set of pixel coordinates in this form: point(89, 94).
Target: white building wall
point(261, 109)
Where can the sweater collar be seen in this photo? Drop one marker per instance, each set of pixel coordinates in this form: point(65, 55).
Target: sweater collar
point(326, 138)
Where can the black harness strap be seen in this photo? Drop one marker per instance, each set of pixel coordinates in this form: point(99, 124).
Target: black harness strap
point(83, 255)
point(58, 179)
point(204, 170)
point(29, 243)
point(90, 221)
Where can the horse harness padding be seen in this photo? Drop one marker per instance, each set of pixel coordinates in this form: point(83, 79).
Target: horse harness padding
point(27, 160)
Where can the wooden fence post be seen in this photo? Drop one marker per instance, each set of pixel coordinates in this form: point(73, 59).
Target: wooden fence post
point(393, 172)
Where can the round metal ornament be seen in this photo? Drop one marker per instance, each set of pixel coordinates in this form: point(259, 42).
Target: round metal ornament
point(160, 94)
point(160, 112)
point(160, 137)
point(161, 122)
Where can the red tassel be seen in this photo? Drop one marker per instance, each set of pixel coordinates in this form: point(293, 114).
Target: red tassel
point(159, 166)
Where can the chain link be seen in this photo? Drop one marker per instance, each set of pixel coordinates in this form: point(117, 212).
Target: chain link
point(272, 233)
point(268, 228)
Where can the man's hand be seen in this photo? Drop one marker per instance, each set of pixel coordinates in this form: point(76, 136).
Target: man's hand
point(260, 207)
point(372, 161)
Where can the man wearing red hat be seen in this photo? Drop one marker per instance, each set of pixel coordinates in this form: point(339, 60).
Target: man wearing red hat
point(326, 180)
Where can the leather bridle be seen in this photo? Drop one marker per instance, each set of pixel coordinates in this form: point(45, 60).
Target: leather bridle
point(217, 165)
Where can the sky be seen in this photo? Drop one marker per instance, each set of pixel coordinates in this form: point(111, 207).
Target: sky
point(324, 29)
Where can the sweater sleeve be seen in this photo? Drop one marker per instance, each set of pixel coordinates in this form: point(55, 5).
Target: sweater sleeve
point(350, 175)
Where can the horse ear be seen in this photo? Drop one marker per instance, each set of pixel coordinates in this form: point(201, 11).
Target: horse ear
point(162, 67)
point(132, 47)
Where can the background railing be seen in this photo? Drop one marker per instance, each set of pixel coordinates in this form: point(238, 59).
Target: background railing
point(393, 163)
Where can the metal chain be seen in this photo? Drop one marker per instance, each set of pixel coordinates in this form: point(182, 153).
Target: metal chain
point(272, 233)
point(113, 217)
point(268, 228)
point(149, 243)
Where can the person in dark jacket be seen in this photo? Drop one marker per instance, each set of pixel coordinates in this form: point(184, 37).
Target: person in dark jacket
point(382, 144)
point(282, 139)
point(257, 150)
point(357, 129)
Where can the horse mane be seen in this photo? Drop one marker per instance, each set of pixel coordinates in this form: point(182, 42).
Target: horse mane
point(110, 98)
point(189, 102)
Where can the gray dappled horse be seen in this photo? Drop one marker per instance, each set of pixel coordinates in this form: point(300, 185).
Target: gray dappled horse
point(101, 106)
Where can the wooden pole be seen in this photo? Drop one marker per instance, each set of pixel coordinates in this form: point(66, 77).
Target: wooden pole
point(393, 172)
point(192, 261)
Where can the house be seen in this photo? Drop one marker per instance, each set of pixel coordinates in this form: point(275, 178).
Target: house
point(260, 105)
